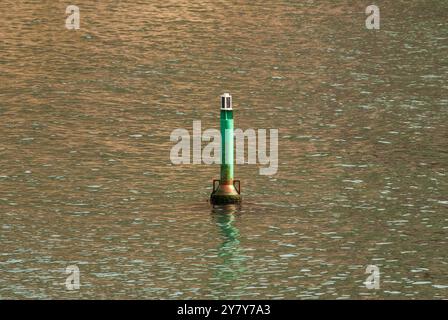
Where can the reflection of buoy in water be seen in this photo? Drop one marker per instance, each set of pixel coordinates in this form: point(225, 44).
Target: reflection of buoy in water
point(226, 190)
point(232, 257)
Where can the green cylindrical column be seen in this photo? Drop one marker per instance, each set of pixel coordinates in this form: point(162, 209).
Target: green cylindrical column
point(227, 146)
point(226, 193)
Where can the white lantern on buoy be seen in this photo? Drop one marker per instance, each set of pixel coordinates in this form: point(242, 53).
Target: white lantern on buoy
point(226, 101)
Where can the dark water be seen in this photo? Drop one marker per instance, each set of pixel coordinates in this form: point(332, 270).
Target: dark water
point(86, 178)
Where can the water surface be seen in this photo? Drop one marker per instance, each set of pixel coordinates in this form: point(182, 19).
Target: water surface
point(86, 178)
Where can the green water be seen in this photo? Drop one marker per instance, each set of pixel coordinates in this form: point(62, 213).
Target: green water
point(86, 178)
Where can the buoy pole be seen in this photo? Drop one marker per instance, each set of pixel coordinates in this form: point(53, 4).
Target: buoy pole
point(226, 190)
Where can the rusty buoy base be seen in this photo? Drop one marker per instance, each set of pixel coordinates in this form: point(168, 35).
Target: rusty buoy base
point(223, 199)
point(226, 193)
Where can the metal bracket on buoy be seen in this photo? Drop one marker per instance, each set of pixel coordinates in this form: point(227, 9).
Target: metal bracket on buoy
point(238, 189)
point(214, 184)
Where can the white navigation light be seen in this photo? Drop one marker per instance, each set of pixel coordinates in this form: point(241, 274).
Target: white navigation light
point(226, 101)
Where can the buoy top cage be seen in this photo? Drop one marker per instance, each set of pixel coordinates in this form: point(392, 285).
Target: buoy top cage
point(226, 101)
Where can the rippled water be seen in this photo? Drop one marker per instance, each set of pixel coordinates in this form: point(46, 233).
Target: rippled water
point(86, 179)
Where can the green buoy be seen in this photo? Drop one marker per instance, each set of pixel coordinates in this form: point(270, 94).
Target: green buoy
point(226, 190)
